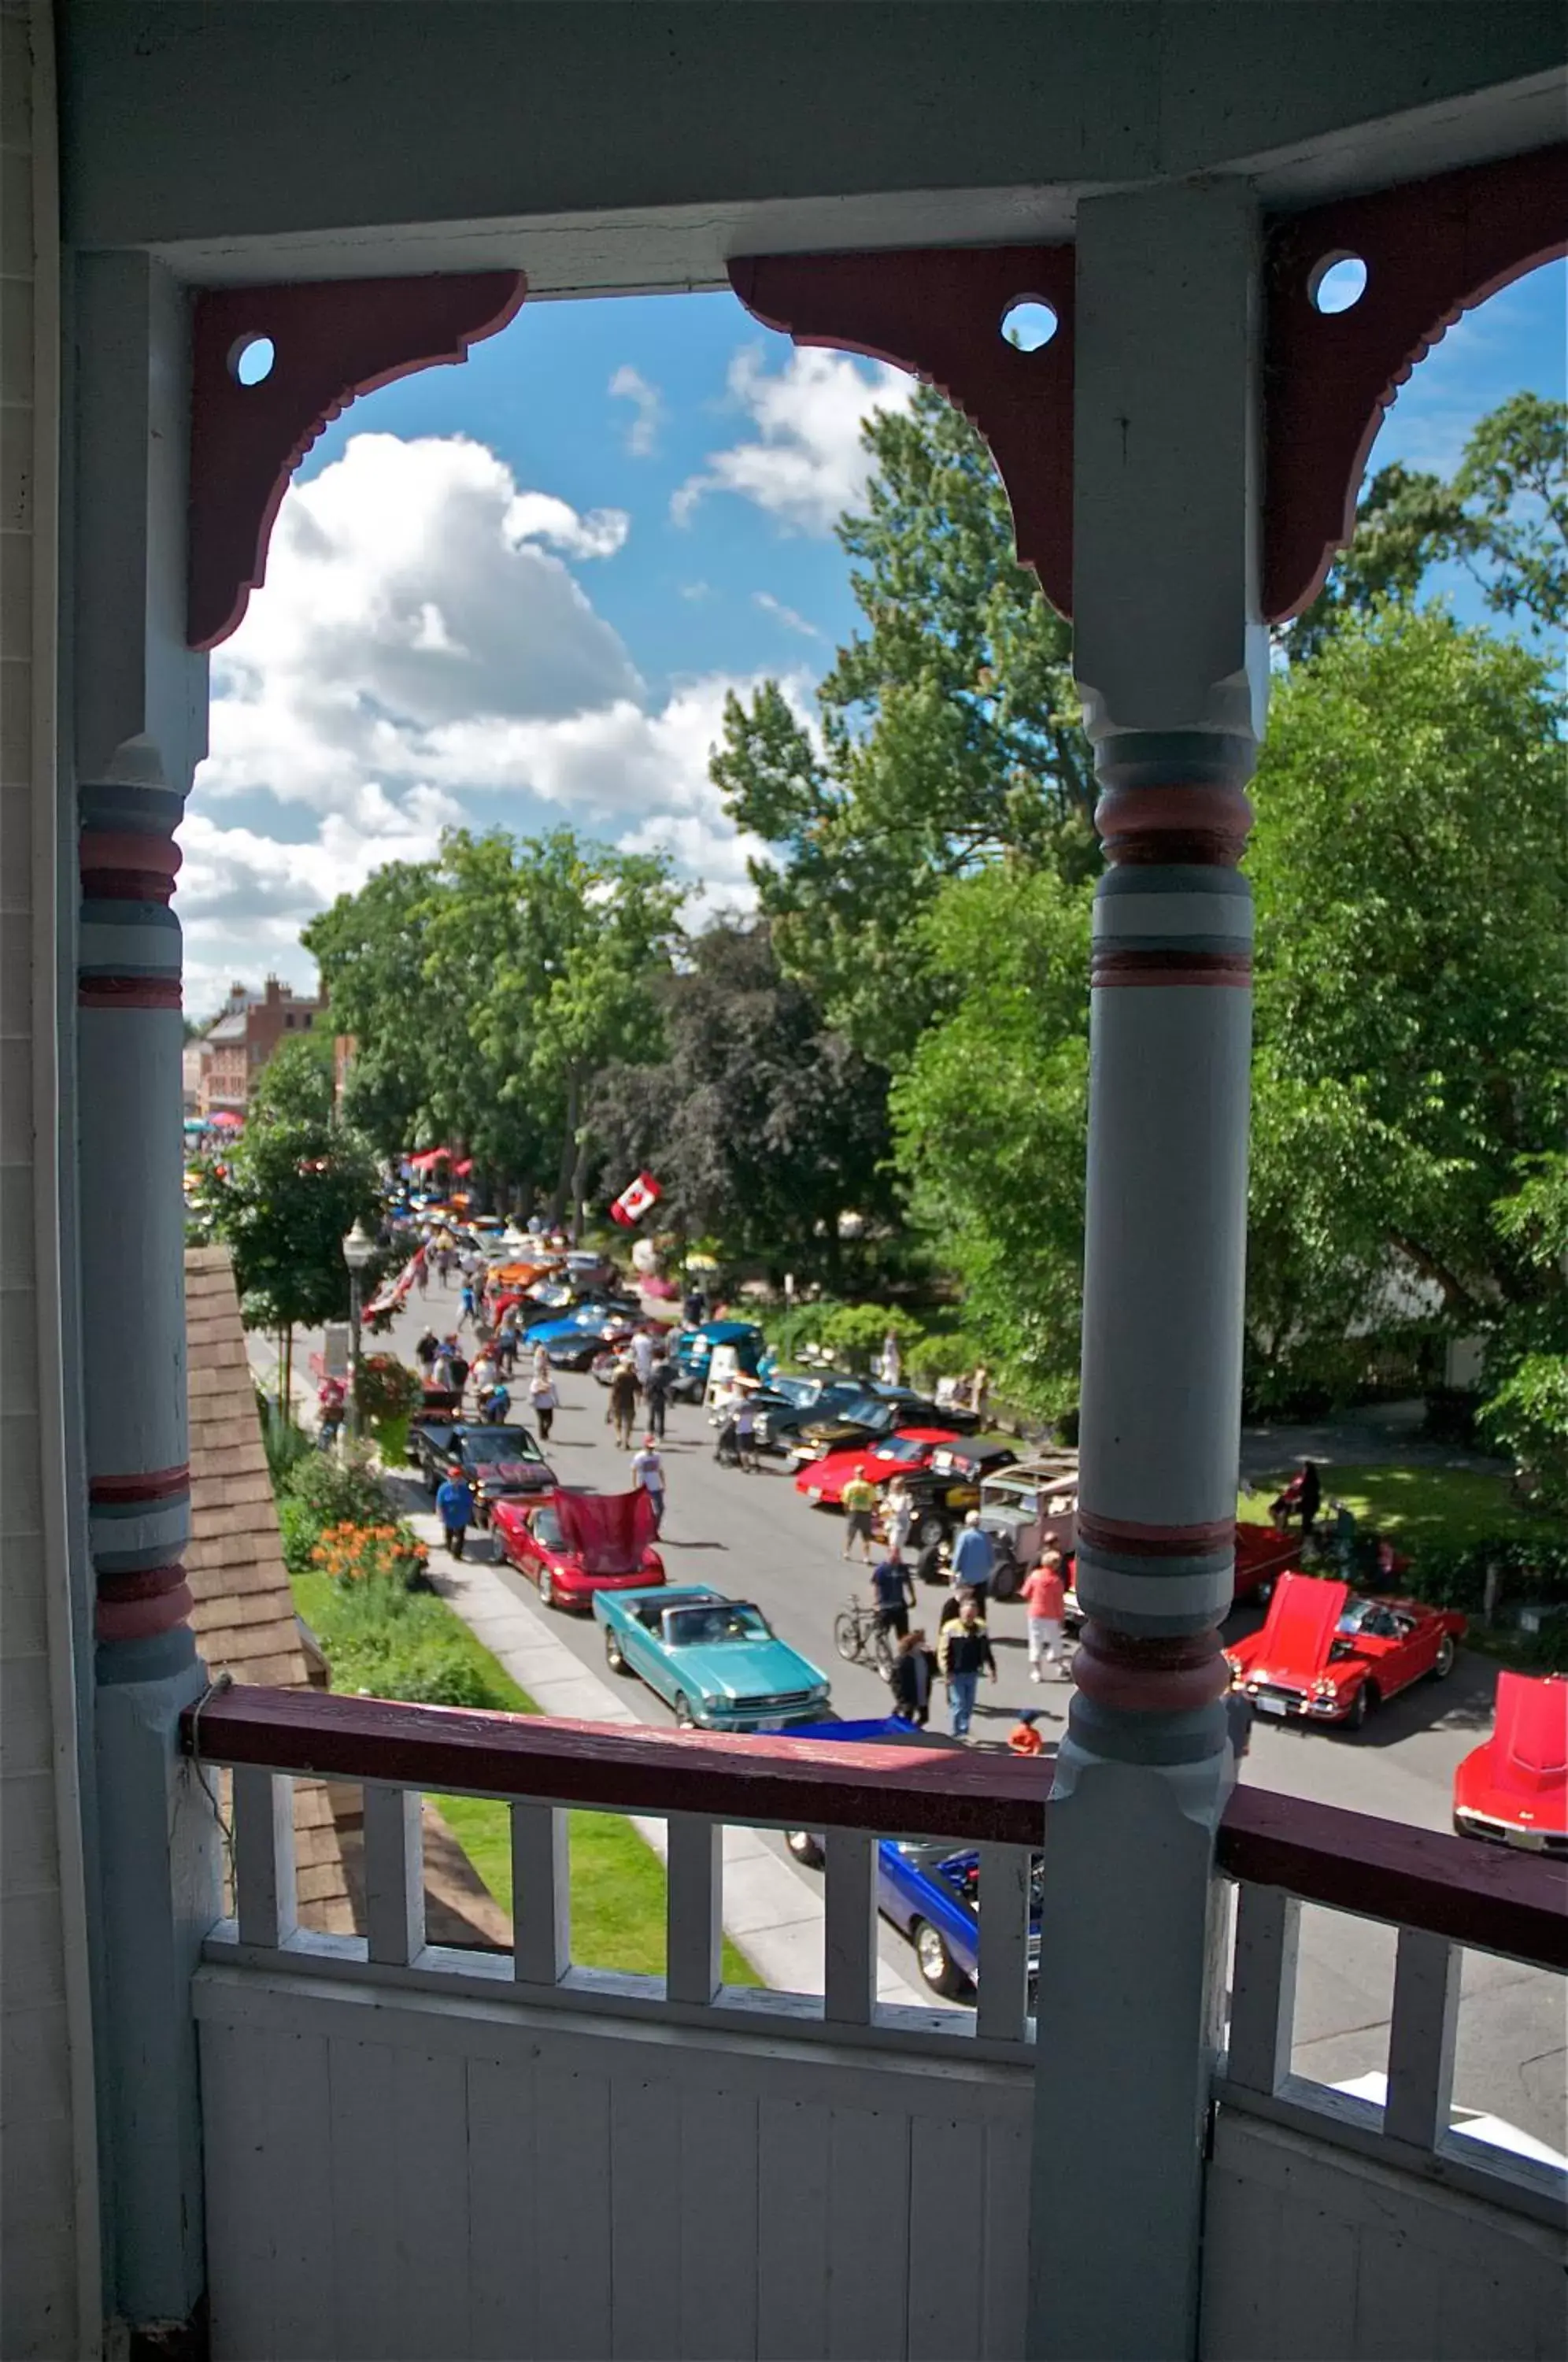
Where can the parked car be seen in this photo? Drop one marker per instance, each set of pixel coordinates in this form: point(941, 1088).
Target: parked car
point(822, 1481)
point(574, 1339)
point(1028, 1505)
point(572, 1543)
point(692, 1350)
point(717, 1662)
point(1263, 1554)
point(1326, 1654)
point(929, 1888)
point(1513, 1789)
point(948, 1486)
point(785, 1405)
point(502, 1462)
point(875, 1410)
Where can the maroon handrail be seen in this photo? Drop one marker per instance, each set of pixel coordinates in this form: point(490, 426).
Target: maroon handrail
point(1493, 1901)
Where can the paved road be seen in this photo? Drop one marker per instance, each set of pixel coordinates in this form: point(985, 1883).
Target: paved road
point(753, 1537)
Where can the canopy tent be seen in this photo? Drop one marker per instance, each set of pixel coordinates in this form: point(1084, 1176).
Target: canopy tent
point(428, 1159)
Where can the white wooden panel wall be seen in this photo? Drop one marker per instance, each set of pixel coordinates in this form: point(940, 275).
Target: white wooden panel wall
point(1317, 2254)
point(408, 2176)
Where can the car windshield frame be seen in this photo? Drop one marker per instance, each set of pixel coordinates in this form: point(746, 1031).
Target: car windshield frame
point(501, 1443)
point(713, 1612)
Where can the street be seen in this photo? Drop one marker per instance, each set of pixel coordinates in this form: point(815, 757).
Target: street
point(753, 1537)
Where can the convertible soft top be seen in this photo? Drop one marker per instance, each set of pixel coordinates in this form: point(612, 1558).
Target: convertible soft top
point(609, 1531)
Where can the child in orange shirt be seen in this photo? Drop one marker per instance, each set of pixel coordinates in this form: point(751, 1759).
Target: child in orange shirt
point(1023, 1739)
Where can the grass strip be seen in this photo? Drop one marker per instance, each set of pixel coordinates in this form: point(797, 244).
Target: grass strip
point(618, 1884)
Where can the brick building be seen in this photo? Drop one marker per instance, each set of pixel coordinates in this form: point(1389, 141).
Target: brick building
point(239, 1042)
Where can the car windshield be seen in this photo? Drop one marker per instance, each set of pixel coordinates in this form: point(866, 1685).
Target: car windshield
point(798, 1393)
point(705, 1627)
point(501, 1443)
point(1001, 1494)
point(547, 1528)
point(902, 1447)
point(1369, 1616)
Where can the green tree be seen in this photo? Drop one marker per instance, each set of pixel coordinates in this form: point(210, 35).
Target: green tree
point(762, 1125)
point(950, 737)
point(1412, 996)
point(299, 1081)
point(369, 947)
point(989, 1116)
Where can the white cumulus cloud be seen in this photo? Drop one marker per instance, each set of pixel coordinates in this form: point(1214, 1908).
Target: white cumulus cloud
point(629, 384)
point(803, 463)
point(422, 657)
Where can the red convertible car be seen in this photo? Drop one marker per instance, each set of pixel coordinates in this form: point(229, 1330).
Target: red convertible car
point(1513, 1789)
point(574, 1544)
point(822, 1481)
point(1327, 1655)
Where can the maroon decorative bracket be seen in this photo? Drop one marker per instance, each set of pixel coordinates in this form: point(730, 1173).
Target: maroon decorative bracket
point(937, 311)
point(1432, 249)
point(332, 341)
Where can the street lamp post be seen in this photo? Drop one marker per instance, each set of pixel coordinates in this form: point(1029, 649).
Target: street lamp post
point(359, 1248)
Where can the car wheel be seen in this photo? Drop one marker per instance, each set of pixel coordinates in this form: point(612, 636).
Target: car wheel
point(546, 1587)
point(931, 1529)
point(613, 1657)
point(1366, 1699)
point(684, 1718)
point(1265, 1592)
point(936, 1962)
point(1443, 1664)
point(1004, 1581)
point(805, 1847)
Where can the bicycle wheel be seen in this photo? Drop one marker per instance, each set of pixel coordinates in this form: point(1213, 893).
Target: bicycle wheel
point(846, 1636)
point(882, 1653)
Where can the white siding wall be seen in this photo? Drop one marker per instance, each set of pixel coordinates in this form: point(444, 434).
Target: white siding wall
point(41, 2203)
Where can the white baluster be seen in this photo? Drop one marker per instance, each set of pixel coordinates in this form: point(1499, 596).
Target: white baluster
point(1003, 2000)
point(265, 1893)
point(1262, 1988)
point(394, 1874)
point(695, 1897)
point(541, 1895)
point(849, 1941)
point(1420, 2038)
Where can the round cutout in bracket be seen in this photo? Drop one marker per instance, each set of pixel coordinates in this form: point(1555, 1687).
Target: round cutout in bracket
point(1028, 323)
point(250, 359)
point(1336, 283)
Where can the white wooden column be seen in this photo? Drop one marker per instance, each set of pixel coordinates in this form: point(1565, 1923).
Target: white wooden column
point(1172, 666)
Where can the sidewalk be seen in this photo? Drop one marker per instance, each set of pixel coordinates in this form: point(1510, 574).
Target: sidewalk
point(772, 1912)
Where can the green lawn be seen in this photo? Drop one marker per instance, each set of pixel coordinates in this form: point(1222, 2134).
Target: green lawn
point(617, 1881)
point(1445, 1508)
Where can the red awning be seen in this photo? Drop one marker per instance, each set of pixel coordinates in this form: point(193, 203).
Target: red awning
point(428, 1159)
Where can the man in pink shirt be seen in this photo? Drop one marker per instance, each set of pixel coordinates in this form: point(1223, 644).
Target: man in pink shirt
point(1044, 1600)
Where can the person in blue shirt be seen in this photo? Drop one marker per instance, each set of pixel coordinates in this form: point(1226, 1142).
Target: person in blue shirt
point(972, 1560)
point(894, 1593)
point(455, 1508)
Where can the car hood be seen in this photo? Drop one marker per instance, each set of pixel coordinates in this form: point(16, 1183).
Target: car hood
point(737, 1668)
point(1294, 1644)
point(513, 1475)
point(828, 1435)
point(1525, 1761)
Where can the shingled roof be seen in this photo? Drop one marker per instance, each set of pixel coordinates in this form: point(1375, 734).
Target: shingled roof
point(243, 1615)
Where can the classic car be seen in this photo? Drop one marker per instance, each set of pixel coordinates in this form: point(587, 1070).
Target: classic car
point(1263, 1554)
point(875, 1411)
point(500, 1461)
point(1513, 1789)
point(572, 1543)
point(717, 1662)
point(785, 1405)
point(822, 1481)
point(928, 1888)
point(1325, 1654)
point(574, 1339)
point(693, 1349)
point(1033, 1503)
point(948, 1486)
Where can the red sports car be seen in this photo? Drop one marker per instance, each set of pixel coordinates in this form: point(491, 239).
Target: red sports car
point(1513, 1789)
point(1327, 1655)
point(574, 1544)
point(822, 1481)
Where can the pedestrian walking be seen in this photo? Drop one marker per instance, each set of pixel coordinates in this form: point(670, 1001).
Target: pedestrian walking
point(455, 1508)
point(894, 1593)
point(898, 1516)
point(642, 1358)
point(647, 1470)
point(624, 1402)
point(422, 1272)
point(457, 1361)
point(425, 1353)
point(467, 1308)
point(914, 1669)
point(541, 1364)
point(973, 1559)
point(660, 1379)
point(497, 1406)
point(506, 1345)
point(745, 1420)
point(964, 1653)
point(892, 1359)
point(542, 1399)
point(860, 1508)
point(1044, 1603)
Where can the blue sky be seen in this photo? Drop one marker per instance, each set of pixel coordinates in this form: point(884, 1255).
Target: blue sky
point(515, 593)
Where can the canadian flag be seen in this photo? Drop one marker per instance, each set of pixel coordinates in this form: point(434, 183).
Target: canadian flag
point(635, 1200)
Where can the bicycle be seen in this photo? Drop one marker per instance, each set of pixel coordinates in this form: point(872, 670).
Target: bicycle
point(860, 1636)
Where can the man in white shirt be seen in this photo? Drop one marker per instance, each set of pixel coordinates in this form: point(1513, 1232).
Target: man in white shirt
point(647, 1470)
point(642, 1358)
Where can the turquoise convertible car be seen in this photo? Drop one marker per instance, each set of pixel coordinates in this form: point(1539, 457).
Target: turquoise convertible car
point(717, 1662)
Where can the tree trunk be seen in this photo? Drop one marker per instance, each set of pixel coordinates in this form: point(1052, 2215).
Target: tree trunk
point(579, 1176)
point(567, 1170)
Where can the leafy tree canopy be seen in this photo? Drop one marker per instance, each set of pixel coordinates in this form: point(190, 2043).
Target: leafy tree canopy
point(289, 1192)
